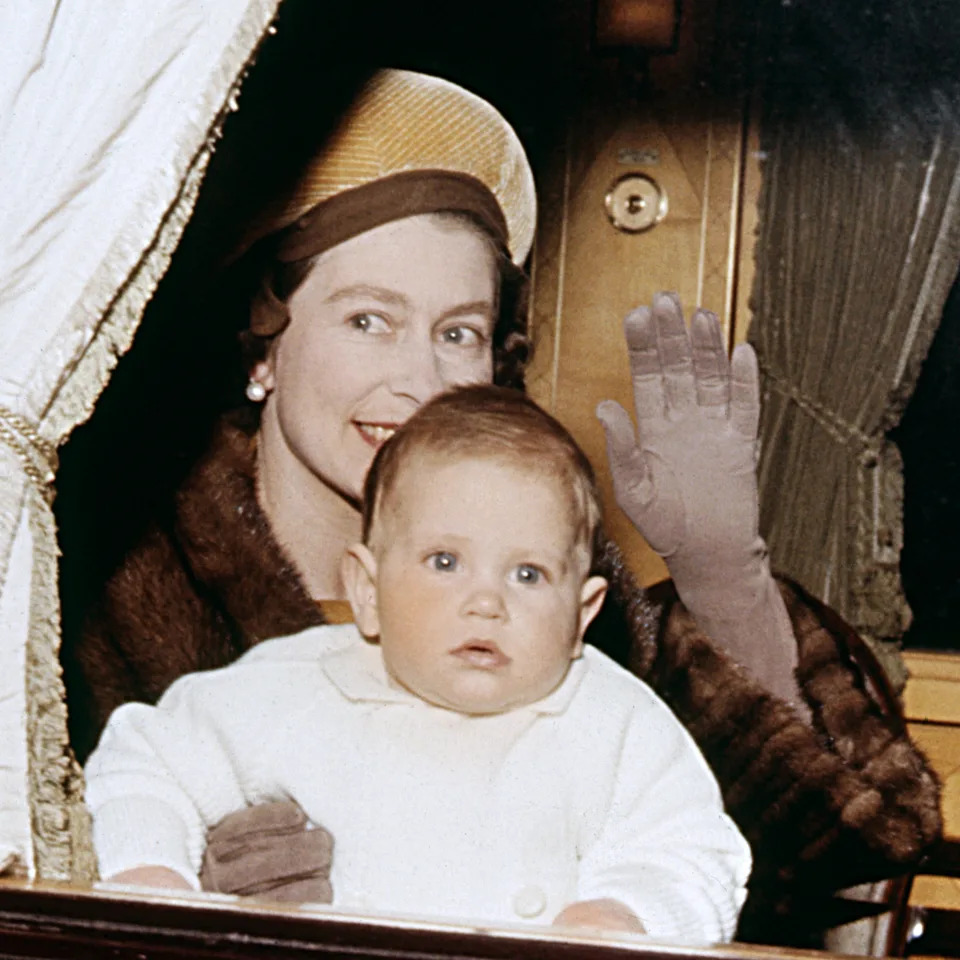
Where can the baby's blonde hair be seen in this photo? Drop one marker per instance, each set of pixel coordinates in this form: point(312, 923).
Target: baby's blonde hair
point(489, 423)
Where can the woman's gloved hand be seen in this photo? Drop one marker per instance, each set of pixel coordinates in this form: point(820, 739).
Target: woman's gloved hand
point(268, 851)
point(687, 481)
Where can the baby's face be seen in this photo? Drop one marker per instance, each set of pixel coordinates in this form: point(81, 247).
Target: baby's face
point(482, 594)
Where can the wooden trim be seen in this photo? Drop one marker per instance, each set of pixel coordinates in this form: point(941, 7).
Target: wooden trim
point(59, 921)
point(931, 701)
point(941, 893)
point(941, 745)
point(932, 692)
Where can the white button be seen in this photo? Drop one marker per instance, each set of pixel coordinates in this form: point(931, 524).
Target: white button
point(529, 902)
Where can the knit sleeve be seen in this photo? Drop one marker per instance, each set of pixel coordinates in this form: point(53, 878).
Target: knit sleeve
point(667, 850)
point(162, 776)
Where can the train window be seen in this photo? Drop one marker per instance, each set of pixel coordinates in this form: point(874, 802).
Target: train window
point(805, 163)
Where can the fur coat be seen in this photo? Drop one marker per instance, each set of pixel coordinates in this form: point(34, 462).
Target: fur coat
point(824, 807)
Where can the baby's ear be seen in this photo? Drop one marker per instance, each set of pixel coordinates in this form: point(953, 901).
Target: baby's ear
point(359, 572)
point(592, 594)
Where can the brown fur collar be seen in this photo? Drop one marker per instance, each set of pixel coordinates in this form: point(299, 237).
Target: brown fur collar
point(230, 547)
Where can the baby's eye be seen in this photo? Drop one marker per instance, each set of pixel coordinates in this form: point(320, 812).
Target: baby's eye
point(368, 323)
point(442, 560)
point(527, 573)
point(462, 335)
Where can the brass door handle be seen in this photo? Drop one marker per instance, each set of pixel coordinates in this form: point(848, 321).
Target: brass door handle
point(635, 202)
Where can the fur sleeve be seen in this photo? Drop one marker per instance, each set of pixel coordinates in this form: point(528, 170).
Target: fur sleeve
point(149, 626)
point(847, 800)
point(844, 801)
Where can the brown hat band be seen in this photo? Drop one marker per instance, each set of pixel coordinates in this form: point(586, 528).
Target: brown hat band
point(406, 194)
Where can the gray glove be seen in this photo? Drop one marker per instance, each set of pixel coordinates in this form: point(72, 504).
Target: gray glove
point(687, 481)
point(267, 851)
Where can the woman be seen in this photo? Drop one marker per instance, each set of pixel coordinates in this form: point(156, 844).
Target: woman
point(393, 277)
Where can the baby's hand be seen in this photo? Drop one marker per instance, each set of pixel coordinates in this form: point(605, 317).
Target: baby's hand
point(151, 877)
point(601, 915)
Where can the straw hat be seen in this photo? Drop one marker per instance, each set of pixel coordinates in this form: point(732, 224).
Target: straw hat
point(409, 144)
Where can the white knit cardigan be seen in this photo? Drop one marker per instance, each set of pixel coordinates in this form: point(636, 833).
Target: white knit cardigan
point(595, 791)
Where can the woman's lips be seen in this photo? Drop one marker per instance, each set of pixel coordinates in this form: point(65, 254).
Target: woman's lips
point(376, 434)
point(484, 654)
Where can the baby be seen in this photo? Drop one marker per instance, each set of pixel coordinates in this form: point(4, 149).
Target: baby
point(471, 756)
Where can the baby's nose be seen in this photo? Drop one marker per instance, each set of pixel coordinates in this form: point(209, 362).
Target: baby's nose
point(485, 602)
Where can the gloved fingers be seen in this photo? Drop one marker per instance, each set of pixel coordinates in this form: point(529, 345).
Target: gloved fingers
point(305, 890)
point(618, 426)
point(313, 848)
point(627, 463)
point(745, 392)
point(676, 357)
point(316, 844)
point(645, 371)
point(711, 368)
point(265, 846)
point(267, 865)
point(279, 817)
point(299, 888)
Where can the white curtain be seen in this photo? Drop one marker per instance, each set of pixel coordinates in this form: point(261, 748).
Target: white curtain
point(108, 115)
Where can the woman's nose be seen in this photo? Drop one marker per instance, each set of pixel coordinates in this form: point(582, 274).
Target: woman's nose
point(416, 372)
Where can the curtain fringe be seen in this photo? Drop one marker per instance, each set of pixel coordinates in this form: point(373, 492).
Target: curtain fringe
point(61, 843)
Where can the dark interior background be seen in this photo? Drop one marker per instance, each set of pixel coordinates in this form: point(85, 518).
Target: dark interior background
point(929, 441)
point(533, 59)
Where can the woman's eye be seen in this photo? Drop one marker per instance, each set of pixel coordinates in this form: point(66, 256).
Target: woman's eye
point(527, 573)
point(442, 561)
point(463, 336)
point(368, 323)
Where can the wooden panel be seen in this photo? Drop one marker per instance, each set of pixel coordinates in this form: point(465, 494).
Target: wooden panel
point(932, 692)
point(749, 222)
point(587, 275)
point(941, 893)
point(932, 705)
point(941, 745)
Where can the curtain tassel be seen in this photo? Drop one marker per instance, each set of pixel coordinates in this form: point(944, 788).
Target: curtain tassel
point(38, 456)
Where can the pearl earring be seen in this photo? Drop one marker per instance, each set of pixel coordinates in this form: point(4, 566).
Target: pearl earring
point(256, 391)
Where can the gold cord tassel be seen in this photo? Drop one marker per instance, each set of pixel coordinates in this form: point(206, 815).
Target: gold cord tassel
point(38, 456)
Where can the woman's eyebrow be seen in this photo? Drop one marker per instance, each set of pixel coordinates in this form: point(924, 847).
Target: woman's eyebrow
point(386, 295)
point(383, 294)
point(475, 306)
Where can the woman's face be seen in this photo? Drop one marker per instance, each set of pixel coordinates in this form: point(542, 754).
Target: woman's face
point(382, 323)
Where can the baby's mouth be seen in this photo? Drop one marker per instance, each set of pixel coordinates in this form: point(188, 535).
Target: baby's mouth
point(376, 434)
point(484, 654)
